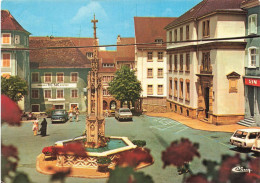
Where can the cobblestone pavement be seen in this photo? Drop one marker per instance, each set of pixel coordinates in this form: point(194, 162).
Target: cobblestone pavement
point(157, 131)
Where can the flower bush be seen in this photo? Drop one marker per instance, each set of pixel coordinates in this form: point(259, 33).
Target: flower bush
point(49, 150)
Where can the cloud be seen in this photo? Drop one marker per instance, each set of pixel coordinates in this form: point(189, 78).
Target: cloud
point(88, 11)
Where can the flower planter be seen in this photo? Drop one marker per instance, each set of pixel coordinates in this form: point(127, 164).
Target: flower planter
point(103, 167)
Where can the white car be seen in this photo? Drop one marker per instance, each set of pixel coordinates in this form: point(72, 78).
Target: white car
point(244, 138)
point(123, 113)
point(256, 144)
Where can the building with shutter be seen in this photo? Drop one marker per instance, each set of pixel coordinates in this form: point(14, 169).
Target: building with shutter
point(252, 59)
point(15, 53)
point(206, 77)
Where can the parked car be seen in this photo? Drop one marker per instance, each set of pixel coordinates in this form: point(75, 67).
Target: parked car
point(123, 113)
point(256, 144)
point(244, 138)
point(59, 115)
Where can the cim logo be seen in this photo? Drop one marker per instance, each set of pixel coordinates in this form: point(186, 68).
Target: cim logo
point(252, 82)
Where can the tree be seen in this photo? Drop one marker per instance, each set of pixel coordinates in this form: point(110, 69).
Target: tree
point(14, 87)
point(125, 86)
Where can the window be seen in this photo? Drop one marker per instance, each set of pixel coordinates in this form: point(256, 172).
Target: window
point(108, 65)
point(17, 39)
point(74, 93)
point(175, 87)
point(206, 62)
point(107, 78)
point(181, 88)
point(170, 63)
point(187, 96)
point(175, 62)
point(105, 92)
point(160, 41)
point(252, 24)
point(252, 57)
point(150, 73)
point(60, 93)
point(160, 56)
point(60, 77)
point(74, 77)
point(170, 87)
point(181, 62)
point(47, 77)
point(205, 28)
point(150, 56)
point(35, 93)
point(89, 54)
point(6, 38)
point(181, 34)
point(187, 62)
point(170, 36)
point(187, 32)
point(175, 35)
point(47, 93)
point(160, 73)
point(35, 77)
point(160, 90)
point(149, 89)
point(6, 62)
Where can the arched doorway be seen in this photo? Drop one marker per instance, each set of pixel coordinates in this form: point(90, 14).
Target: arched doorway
point(105, 105)
point(113, 105)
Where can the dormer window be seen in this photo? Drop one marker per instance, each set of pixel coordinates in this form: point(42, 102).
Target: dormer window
point(160, 41)
point(17, 39)
point(108, 65)
point(90, 54)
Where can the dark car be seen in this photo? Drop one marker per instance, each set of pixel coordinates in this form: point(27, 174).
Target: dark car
point(59, 115)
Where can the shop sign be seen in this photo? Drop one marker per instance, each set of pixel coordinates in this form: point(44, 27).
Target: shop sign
point(252, 82)
point(54, 85)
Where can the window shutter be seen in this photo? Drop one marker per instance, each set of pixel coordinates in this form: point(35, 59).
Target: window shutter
point(246, 58)
point(257, 57)
point(254, 24)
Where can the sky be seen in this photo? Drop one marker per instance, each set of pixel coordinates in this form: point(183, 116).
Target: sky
point(72, 18)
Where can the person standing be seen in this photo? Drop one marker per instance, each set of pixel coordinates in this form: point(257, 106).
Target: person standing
point(43, 129)
point(35, 127)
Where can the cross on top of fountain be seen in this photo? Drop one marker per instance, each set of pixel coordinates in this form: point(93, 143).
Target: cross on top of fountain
point(95, 122)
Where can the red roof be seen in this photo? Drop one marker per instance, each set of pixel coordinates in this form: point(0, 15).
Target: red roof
point(125, 53)
point(148, 29)
point(107, 57)
point(8, 22)
point(206, 7)
point(56, 58)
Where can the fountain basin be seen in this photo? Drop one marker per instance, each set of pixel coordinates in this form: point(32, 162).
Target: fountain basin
point(112, 150)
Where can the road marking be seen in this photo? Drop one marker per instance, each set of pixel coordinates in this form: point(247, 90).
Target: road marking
point(181, 130)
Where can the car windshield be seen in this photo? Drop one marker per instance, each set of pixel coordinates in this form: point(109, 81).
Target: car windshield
point(240, 134)
point(58, 112)
point(125, 110)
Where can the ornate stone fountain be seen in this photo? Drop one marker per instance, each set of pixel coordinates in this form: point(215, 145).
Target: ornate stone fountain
point(97, 145)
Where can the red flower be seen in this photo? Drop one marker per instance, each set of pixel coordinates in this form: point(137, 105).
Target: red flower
point(49, 150)
point(179, 153)
point(135, 157)
point(10, 112)
point(226, 167)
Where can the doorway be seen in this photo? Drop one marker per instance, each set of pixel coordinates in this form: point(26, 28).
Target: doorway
point(251, 100)
point(58, 106)
point(206, 99)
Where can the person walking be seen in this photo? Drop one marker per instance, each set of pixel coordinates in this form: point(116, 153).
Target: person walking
point(77, 114)
point(35, 127)
point(43, 129)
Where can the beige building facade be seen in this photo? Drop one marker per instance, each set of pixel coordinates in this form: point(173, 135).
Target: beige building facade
point(205, 77)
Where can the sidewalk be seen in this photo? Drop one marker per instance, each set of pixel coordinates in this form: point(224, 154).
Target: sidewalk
point(197, 124)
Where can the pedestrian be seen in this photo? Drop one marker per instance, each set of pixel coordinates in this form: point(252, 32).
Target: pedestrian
point(43, 129)
point(35, 127)
point(77, 114)
point(70, 114)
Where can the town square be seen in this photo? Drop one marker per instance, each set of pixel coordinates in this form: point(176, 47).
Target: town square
point(110, 91)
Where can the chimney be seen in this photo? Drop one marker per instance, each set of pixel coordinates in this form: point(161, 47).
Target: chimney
point(118, 38)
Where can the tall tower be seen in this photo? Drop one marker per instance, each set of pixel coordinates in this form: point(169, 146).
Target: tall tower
point(95, 122)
